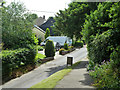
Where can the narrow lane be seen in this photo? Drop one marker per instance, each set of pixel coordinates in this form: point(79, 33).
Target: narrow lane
point(45, 70)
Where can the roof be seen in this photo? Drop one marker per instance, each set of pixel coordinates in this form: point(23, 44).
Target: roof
point(48, 24)
point(39, 21)
point(39, 28)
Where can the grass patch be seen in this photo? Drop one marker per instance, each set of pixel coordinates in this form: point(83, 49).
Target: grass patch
point(40, 56)
point(51, 81)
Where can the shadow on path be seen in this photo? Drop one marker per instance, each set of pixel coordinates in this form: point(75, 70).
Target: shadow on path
point(53, 70)
point(83, 64)
point(88, 80)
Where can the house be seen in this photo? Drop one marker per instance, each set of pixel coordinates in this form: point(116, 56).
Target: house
point(38, 31)
point(39, 21)
point(48, 24)
point(40, 26)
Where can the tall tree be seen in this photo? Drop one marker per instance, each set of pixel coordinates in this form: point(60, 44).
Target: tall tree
point(70, 21)
point(32, 17)
point(94, 23)
point(16, 29)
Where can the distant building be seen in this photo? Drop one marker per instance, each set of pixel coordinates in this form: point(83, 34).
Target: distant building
point(39, 21)
point(39, 32)
point(48, 24)
point(40, 26)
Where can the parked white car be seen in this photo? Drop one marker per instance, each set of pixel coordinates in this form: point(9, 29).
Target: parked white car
point(56, 44)
point(58, 40)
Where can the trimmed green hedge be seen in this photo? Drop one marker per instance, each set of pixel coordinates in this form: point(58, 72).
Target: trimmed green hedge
point(49, 49)
point(12, 59)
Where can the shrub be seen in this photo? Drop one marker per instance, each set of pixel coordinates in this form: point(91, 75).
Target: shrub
point(49, 49)
point(105, 77)
point(91, 65)
point(12, 59)
point(115, 58)
point(107, 74)
point(65, 46)
point(78, 44)
point(60, 51)
point(33, 52)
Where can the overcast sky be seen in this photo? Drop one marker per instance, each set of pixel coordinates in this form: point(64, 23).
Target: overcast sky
point(50, 6)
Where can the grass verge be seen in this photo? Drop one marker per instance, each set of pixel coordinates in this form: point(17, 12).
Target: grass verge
point(51, 81)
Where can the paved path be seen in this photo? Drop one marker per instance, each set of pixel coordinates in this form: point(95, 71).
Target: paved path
point(45, 70)
point(77, 78)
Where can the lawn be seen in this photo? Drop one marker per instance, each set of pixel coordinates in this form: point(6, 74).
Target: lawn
point(40, 56)
point(51, 81)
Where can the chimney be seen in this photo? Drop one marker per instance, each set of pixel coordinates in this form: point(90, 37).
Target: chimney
point(43, 16)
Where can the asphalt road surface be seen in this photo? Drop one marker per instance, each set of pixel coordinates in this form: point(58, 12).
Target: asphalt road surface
point(45, 70)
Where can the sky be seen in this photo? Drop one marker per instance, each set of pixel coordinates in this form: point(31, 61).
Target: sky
point(43, 7)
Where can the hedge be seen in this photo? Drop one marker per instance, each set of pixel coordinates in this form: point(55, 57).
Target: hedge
point(102, 46)
point(13, 59)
